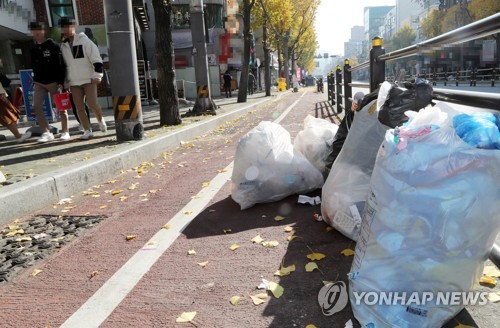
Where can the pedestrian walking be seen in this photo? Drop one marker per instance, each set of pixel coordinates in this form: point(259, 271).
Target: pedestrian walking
point(9, 115)
point(84, 73)
point(49, 72)
point(251, 83)
point(227, 83)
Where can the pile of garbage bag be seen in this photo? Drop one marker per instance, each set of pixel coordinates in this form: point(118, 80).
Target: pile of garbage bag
point(348, 183)
point(267, 167)
point(315, 141)
point(430, 220)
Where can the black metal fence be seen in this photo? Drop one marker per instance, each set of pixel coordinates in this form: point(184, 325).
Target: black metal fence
point(486, 27)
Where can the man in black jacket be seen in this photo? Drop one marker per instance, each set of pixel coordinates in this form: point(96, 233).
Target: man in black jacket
point(49, 72)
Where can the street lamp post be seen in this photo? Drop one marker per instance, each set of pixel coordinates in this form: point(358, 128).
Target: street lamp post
point(204, 103)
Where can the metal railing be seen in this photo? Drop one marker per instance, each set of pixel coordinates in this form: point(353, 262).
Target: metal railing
point(341, 96)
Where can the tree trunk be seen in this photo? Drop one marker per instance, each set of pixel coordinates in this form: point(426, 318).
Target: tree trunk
point(280, 63)
point(285, 58)
point(247, 38)
point(167, 87)
point(267, 59)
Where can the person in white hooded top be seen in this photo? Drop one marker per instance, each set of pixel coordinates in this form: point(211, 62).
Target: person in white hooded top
point(84, 73)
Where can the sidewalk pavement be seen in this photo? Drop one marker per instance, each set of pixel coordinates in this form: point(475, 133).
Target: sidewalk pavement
point(39, 174)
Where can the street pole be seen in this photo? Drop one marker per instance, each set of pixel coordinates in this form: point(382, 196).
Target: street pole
point(124, 75)
point(204, 103)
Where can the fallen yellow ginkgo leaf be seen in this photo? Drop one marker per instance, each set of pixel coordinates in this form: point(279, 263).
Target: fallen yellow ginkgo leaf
point(226, 231)
point(235, 300)
point(205, 184)
point(116, 192)
point(276, 289)
point(494, 297)
point(15, 232)
point(192, 252)
point(270, 244)
point(311, 266)
point(328, 229)
point(93, 274)
point(285, 271)
point(327, 282)
point(311, 326)
point(188, 212)
point(186, 317)
point(259, 298)
point(316, 256)
point(288, 229)
point(103, 206)
point(488, 280)
point(35, 272)
point(23, 239)
point(130, 237)
point(347, 252)
point(278, 218)
point(166, 226)
point(203, 264)
point(290, 238)
point(463, 326)
point(234, 247)
point(491, 271)
point(257, 239)
point(133, 186)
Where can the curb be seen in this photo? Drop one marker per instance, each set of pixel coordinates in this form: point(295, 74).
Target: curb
point(33, 194)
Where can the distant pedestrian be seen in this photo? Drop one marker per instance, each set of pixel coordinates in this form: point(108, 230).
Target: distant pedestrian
point(9, 115)
point(251, 83)
point(84, 73)
point(49, 72)
point(227, 83)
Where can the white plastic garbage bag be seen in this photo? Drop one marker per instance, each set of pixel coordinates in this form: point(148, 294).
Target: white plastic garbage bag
point(315, 141)
point(267, 168)
point(348, 184)
point(428, 225)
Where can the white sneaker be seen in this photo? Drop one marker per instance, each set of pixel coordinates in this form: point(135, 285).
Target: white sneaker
point(80, 128)
point(87, 135)
point(24, 137)
point(46, 136)
point(65, 136)
point(102, 126)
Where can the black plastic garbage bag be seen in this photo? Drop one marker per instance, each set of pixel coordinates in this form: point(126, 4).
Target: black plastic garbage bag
point(344, 127)
point(414, 96)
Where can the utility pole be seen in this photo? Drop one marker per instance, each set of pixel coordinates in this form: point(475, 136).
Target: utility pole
point(204, 103)
point(124, 76)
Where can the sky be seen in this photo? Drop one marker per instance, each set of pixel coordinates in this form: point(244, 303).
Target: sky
point(335, 18)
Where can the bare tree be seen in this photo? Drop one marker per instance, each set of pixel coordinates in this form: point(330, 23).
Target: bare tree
point(247, 39)
point(167, 87)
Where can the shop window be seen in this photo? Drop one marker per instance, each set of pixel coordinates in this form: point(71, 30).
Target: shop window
point(60, 8)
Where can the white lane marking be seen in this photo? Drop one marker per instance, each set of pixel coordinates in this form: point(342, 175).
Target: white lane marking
point(100, 305)
point(285, 113)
